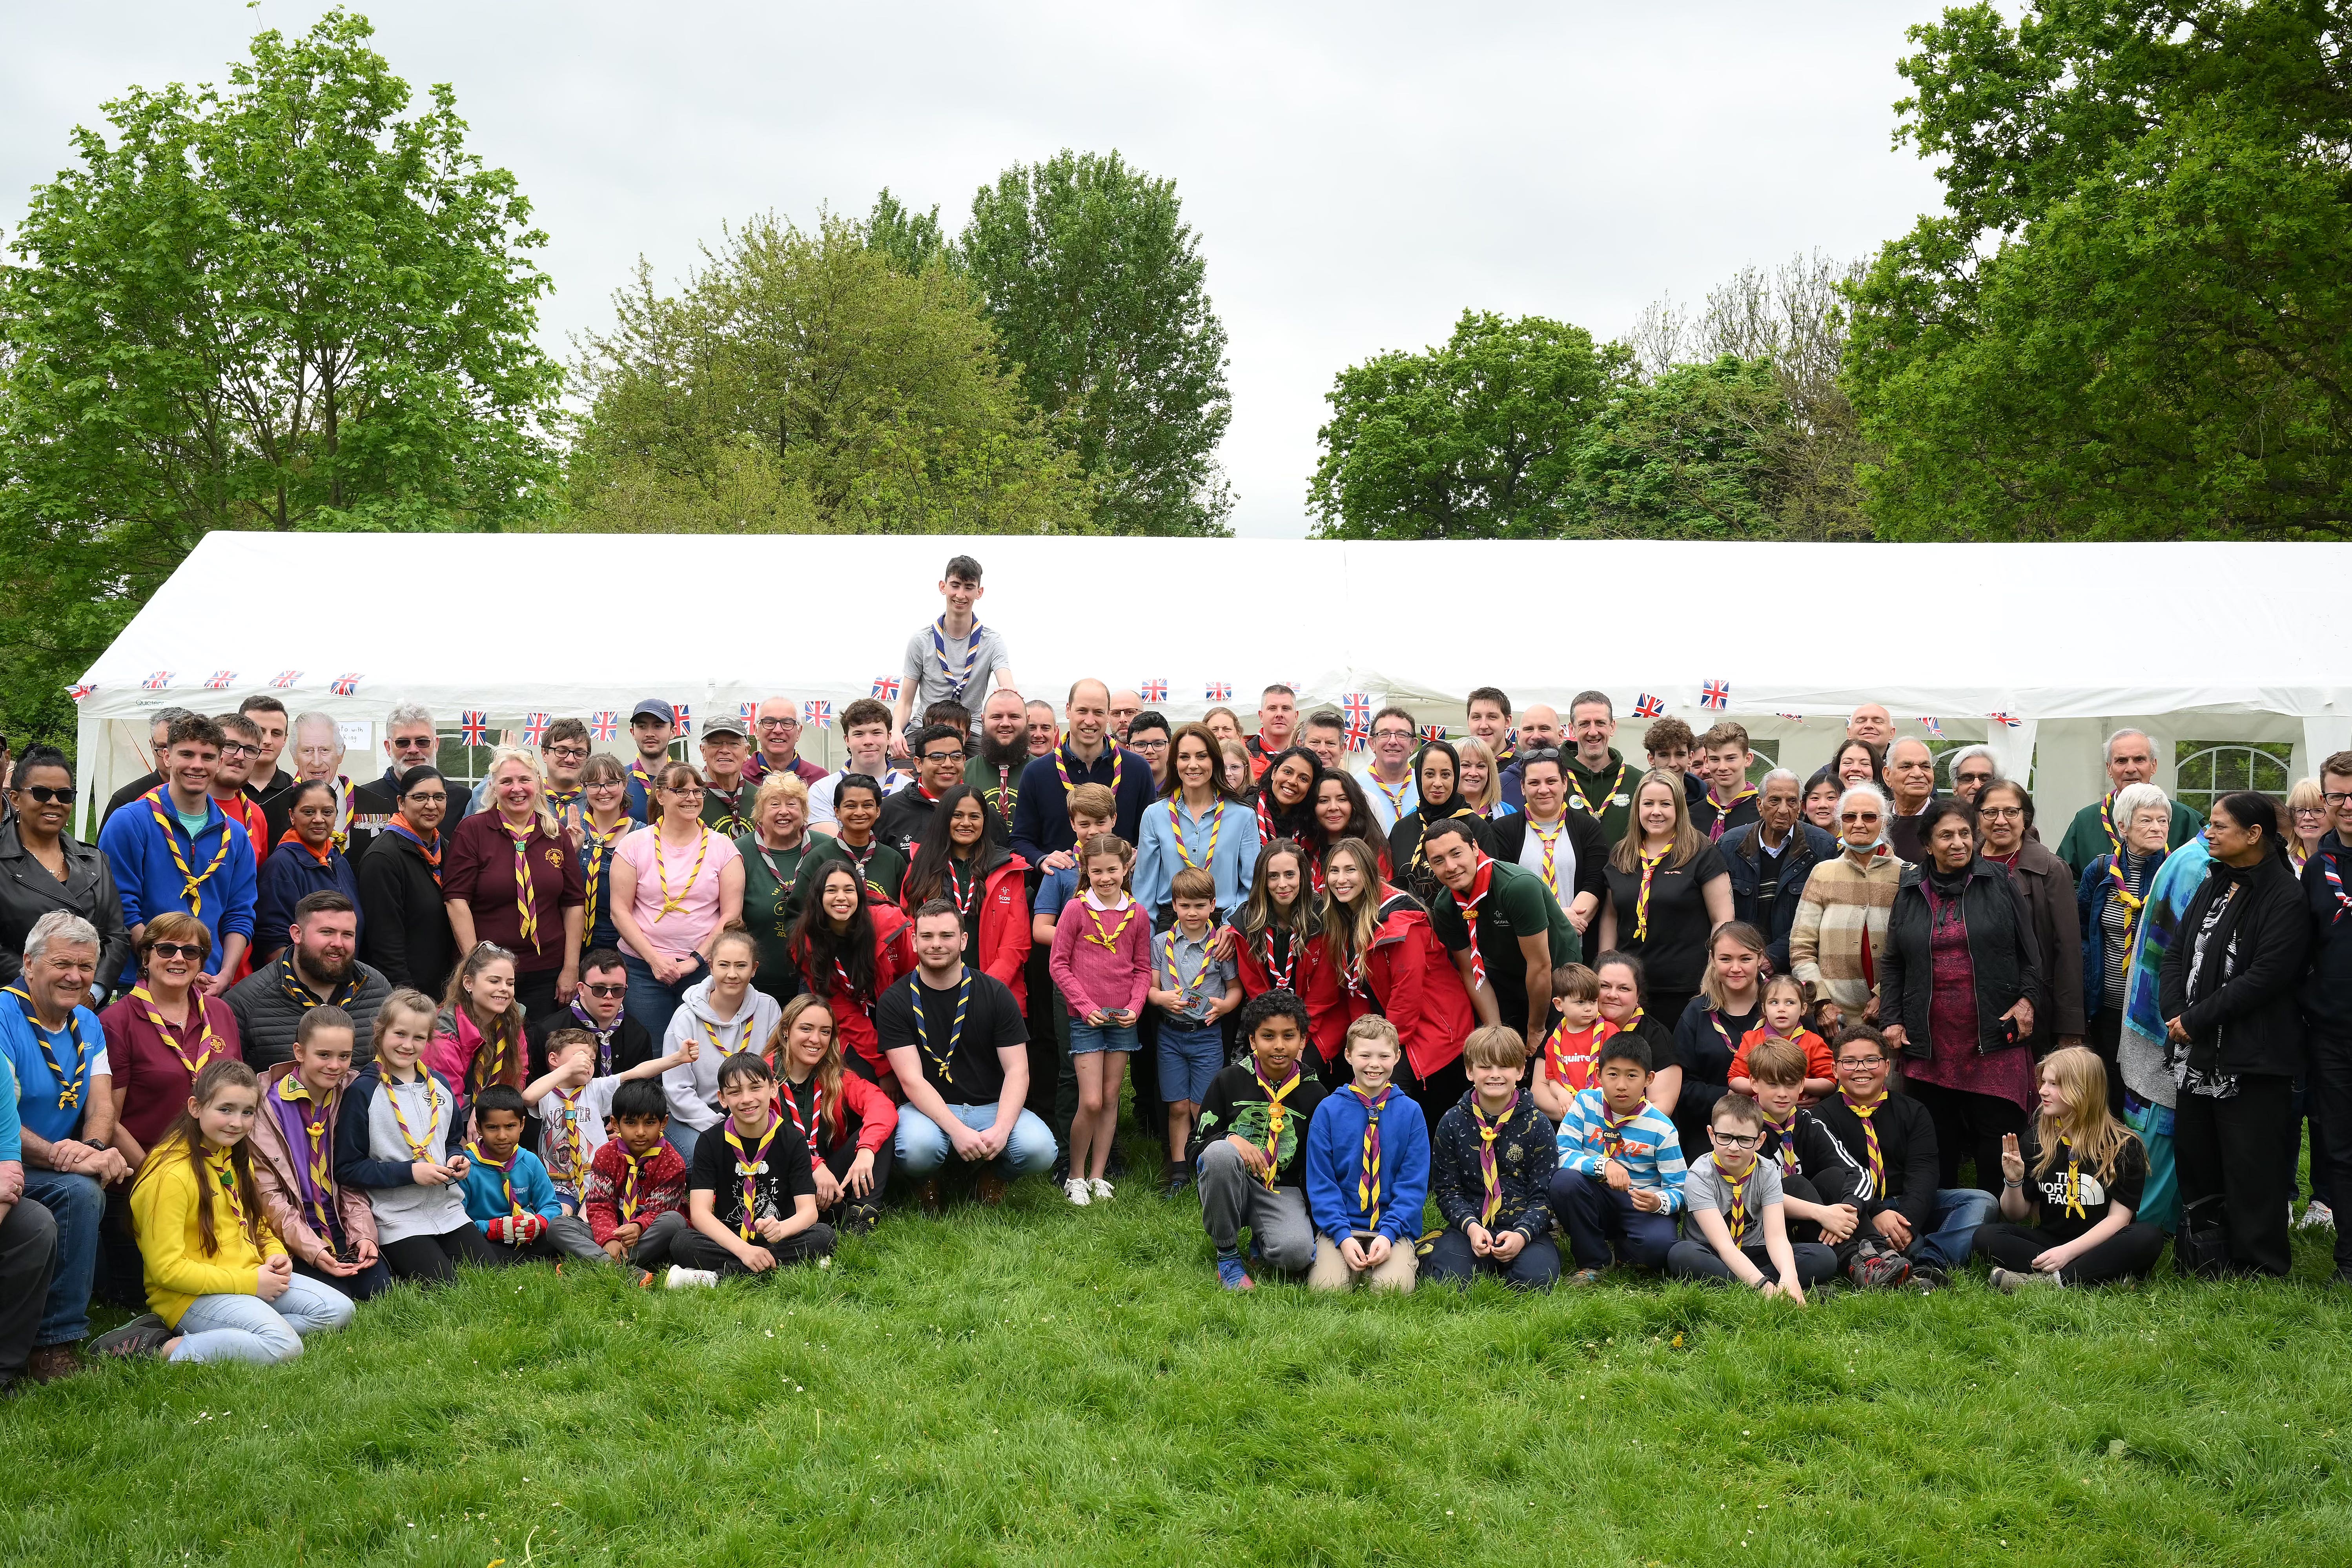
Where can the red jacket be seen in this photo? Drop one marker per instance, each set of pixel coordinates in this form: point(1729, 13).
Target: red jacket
point(1418, 988)
point(1250, 960)
point(1004, 937)
point(894, 957)
point(877, 1114)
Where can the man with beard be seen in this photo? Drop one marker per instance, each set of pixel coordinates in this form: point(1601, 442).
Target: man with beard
point(1125, 704)
point(996, 760)
point(316, 968)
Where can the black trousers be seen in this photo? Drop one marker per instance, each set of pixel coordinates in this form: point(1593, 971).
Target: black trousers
point(2106, 1036)
point(842, 1156)
point(2328, 1083)
point(2129, 1254)
point(692, 1249)
point(2230, 1148)
point(536, 992)
point(434, 1259)
point(372, 1280)
point(1967, 1125)
point(122, 1278)
point(1438, 1093)
point(28, 1255)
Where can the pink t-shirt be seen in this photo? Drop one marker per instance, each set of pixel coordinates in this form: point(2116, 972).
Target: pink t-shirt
point(683, 928)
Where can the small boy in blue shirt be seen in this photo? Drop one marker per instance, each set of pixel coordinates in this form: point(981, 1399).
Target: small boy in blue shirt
point(508, 1194)
point(1367, 1171)
point(1621, 1167)
point(1194, 991)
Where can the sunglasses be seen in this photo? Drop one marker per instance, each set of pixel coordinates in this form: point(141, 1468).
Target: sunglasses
point(606, 991)
point(176, 950)
point(43, 795)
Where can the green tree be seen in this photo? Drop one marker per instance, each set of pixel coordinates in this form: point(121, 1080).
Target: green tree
point(910, 239)
point(2133, 319)
point(1474, 439)
point(1099, 292)
point(804, 382)
point(1701, 451)
point(282, 304)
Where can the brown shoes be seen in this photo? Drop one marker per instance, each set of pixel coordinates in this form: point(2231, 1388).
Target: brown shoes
point(50, 1363)
point(991, 1189)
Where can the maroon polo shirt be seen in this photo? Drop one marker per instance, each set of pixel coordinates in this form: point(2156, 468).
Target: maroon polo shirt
point(480, 868)
point(153, 1081)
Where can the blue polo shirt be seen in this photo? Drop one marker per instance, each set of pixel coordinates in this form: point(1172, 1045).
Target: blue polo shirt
point(80, 1052)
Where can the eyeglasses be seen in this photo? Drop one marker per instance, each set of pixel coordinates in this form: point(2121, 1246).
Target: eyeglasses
point(683, 791)
point(44, 794)
point(1391, 734)
point(607, 991)
point(779, 723)
point(439, 798)
point(1735, 1140)
point(1862, 1061)
point(2335, 797)
point(2311, 811)
point(942, 756)
point(568, 754)
point(1159, 745)
point(239, 748)
point(2003, 812)
point(176, 950)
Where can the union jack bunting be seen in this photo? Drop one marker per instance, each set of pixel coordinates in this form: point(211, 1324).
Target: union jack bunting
point(885, 688)
point(1221, 692)
point(819, 712)
point(1433, 731)
point(1155, 692)
point(1932, 726)
point(159, 682)
point(81, 691)
point(1360, 734)
point(1356, 706)
point(684, 720)
point(345, 685)
point(1646, 706)
point(534, 727)
point(1714, 694)
point(606, 725)
point(1792, 718)
point(2005, 719)
point(746, 711)
point(284, 679)
point(219, 680)
point(474, 727)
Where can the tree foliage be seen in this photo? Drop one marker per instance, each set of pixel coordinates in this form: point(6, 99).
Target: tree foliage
point(1099, 296)
point(804, 382)
point(1698, 452)
point(283, 304)
point(2133, 318)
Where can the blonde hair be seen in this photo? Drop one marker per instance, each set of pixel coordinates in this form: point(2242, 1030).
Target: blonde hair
point(1492, 790)
point(1373, 1026)
point(2087, 1125)
point(784, 785)
point(1494, 1046)
point(1627, 855)
point(1347, 931)
point(539, 806)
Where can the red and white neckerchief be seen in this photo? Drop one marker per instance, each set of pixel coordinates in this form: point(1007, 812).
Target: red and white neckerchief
point(2334, 886)
point(1286, 977)
point(808, 1128)
point(1481, 884)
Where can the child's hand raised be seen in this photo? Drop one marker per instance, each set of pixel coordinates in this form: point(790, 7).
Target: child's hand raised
point(690, 1052)
point(2012, 1160)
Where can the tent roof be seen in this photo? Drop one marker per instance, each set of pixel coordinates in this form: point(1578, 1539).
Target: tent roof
point(576, 623)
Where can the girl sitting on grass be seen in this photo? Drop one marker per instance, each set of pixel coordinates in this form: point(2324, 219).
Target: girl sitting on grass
point(2073, 1225)
point(218, 1279)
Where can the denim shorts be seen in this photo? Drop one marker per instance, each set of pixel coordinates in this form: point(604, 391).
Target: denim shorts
point(1086, 1036)
point(1190, 1056)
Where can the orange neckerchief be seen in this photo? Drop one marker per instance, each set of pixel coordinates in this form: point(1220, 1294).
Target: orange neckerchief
point(321, 856)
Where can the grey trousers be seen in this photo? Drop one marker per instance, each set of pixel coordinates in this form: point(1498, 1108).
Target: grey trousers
point(652, 1249)
point(1231, 1198)
point(566, 1235)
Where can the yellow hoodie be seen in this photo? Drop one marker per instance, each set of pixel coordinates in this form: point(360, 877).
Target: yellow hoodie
point(163, 1209)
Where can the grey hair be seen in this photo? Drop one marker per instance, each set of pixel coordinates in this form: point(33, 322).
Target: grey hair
point(2108, 750)
point(1876, 798)
point(1789, 773)
point(1978, 750)
point(171, 715)
point(315, 716)
point(405, 713)
point(2135, 798)
point(59, 925)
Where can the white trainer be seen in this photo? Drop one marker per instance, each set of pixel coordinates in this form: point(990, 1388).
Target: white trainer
point(1076, 1188)
point(690, 1278)
point(1101, 1189)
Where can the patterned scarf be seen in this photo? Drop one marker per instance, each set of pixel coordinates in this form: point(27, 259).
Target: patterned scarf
point(1734, 1213)
point(747, 1171)
point(400, 826)
point(1368, 1172)
point(208, 1046)
point(1481, 884)
point(69, 1088)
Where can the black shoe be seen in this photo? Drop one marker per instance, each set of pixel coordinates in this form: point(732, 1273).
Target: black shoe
point(1929, 1277)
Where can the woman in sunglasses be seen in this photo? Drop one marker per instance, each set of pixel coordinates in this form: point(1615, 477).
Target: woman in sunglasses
point(44, 868)
point(161, 1036)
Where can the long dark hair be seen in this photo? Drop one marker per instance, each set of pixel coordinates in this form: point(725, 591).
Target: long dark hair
point(927, 877)
point(2252, 808)
point(1258, 912)
point(222, 1072)
point(1359, 813)
point(816, 949)
point(1877, 761)
point(1289, 821)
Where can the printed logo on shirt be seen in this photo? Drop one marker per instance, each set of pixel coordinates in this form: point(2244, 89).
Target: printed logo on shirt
point(2090, 1194)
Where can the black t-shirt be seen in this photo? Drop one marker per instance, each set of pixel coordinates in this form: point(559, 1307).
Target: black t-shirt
point(784, 1175)
point(1664, 1052)
point(1516, 904)
point(1674, 954)
point(1708, 1040)
point(2090, 1196)
point(965, 1067)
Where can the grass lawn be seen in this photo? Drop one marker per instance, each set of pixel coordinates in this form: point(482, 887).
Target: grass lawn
point(1044, 1384)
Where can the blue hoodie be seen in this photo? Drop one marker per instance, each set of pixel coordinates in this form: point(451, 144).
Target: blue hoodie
point(150, 880)
point(1335, 1147)
point(485, 1197)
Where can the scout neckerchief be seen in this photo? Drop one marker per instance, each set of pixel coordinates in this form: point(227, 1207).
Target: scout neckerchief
point(943, 1062)
point(957, 679)
point(1548, 870)
point(2335, 885)
point(808, 1128)
point(661, 871)
point(565, 803)
point(732, 799)
point(400, 826)
point(301, 995)
point(1786, 1150)
point(1576, 792)
point(575, 1142)
point(747, 1168)
point(604, 1033)
point(191, 883)
point(1277, 1114)
point(506, 1175)
point(640, 1169)
point(493, 1058)
point(2120, 885)
point(717, 1038)
point(1395, 797)
point(209, 1045)
point(1176, 826)
point(599, 845)
point(69, 1089)
point(646, 782)
point(1109, 940)
point(304, 1122)
point(1735, 1213)
point(2074, 1185)
point(218, 1161)
point(1117, 762)
point(1723, 812)
point(323, 855)
point(1480, 885)
point(418, 1148)
point(956, 889)
point(524, 901)
point(1489, 1177)
point(342, 832)
point(1613, 1129)
point(1190, 995)
point(784, 883)
point(1285, 977)
point(860, 856)
point(1650, 864)
point(1563, 1050)
point(1865, 1110)
point(1368, 1160)
point(1005, 796)
point(2107, 825)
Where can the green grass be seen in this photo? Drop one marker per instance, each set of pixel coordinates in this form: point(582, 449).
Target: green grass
point(1050, 1385)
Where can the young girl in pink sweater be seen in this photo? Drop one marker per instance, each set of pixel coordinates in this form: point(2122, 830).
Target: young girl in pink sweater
point(1102, 962)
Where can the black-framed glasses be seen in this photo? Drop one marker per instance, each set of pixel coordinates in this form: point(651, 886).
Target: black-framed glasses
point(2335, 797)
point(1862, 1061)
point(1735, 1140)
point(568, 754)
point(44, 794)
point(239, 748)
point(779, 723)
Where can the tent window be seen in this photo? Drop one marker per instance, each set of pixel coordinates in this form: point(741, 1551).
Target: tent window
point(2208, 770)
point(1766, 756)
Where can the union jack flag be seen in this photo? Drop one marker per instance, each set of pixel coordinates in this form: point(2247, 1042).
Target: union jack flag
point(159, 682)
point(1646, 706)
point(819, 712)
point(534, 727)
point(1433, 731)
point(81, 691)
point(2005, 719)
point(1358, 706)
point(684, 720)
point(1360, 734)
point(474, 727)
point(744, 711)
point(1714, 694)
point(1221, 692)
point(606, 725)
point(220, 679)
point(1932, 726)
point(885, 688)
point(284, 679)
point(345, 685)
point(1155, 692)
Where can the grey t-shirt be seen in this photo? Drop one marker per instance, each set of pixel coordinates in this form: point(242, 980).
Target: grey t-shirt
point(1704, 1187)
point(934, 681)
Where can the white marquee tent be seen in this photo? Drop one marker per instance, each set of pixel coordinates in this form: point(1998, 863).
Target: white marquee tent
point(2219, 647)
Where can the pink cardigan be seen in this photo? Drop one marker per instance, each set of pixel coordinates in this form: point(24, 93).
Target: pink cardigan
point(1099, 979)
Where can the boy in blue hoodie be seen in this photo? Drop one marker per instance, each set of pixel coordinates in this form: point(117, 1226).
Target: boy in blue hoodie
point(508, 1194)
point(173, 848)
point(1367, 1171)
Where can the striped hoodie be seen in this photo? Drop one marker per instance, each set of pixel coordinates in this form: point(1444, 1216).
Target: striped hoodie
point(1650, 1150)
point(1840, 927)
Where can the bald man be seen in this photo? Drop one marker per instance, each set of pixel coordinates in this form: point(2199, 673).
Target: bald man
point(1539, 729)
point(1870, 722)
point(1041, 818)
point(1000, 755)
point(777, 734)
point(1911, 779)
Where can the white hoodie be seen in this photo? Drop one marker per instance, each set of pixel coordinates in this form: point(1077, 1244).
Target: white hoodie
point(693, 1087)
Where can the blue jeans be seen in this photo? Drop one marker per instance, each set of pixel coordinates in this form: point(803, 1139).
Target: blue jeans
point(1959, 1212)
point(1086, 1036)
point(247, 1328)
point(78, 1205)
point(922, 1147)
point(650, 1002)
point(683, 1137)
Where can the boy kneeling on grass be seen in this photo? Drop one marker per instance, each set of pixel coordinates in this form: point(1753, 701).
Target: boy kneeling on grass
point(1367, 1171)
point(635, 1200)
point(508, 1194)
point(1621, 1166)
point(751, 1194)
point(1249, 1146)
point(1735, 1204)
point(1494, 1166)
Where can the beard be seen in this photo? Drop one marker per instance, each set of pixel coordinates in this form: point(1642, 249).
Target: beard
point(327, 967)
point(1013, 753)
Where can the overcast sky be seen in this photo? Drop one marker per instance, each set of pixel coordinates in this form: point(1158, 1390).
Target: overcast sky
point(1358, 175)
